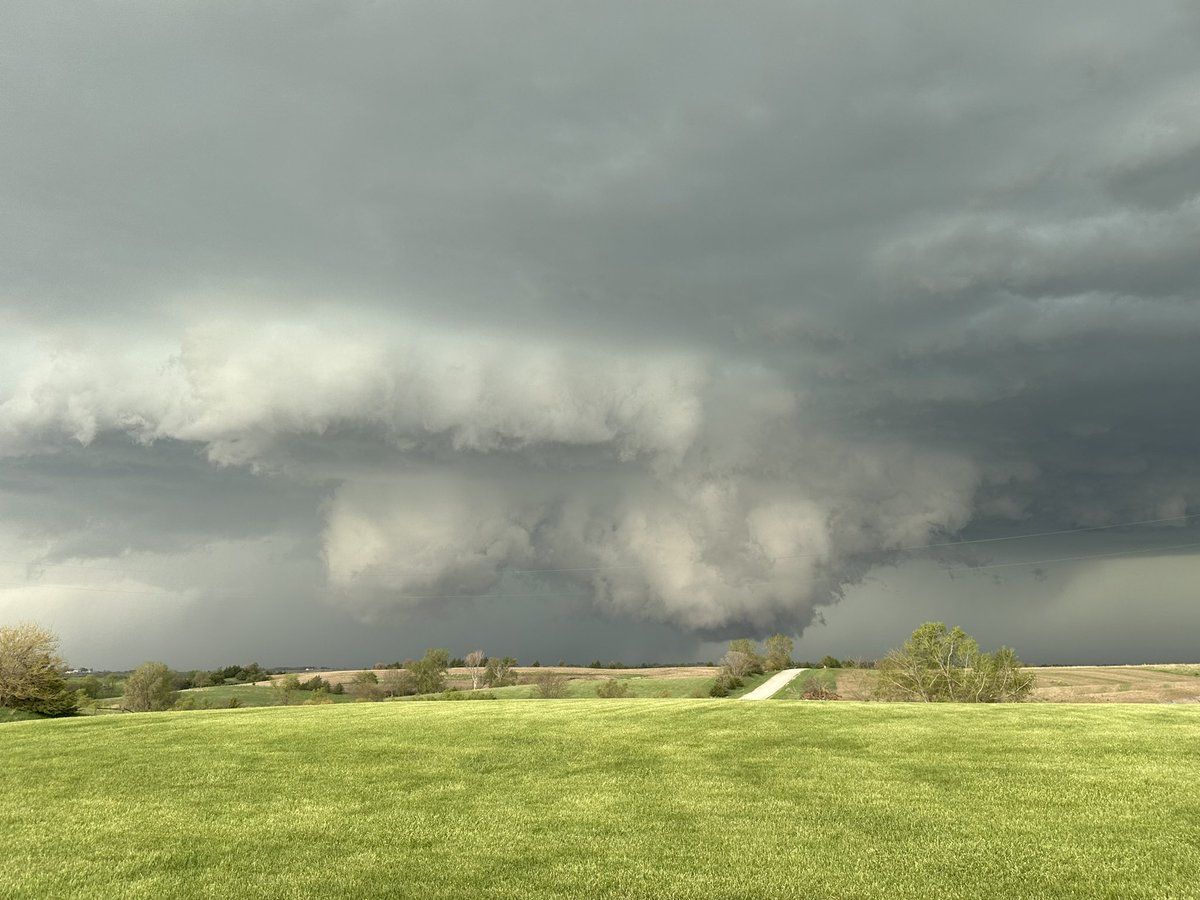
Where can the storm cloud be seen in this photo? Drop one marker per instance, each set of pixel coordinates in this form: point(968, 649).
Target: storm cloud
point(600, 329)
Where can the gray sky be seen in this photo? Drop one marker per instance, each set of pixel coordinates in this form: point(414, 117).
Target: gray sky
point(334, 331)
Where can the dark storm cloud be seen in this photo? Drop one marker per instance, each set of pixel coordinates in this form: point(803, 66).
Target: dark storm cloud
point(707, 311)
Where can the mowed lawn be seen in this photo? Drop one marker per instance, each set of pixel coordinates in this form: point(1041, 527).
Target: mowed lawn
point(595, 798)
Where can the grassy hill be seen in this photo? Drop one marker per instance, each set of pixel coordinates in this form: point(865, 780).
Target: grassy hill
point(593, 798)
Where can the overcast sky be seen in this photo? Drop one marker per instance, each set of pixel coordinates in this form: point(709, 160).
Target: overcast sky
point(332, 331)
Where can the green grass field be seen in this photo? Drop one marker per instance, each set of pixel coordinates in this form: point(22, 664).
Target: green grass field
point(606, 798)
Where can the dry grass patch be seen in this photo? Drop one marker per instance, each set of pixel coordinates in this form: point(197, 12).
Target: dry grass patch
point(1117, 684)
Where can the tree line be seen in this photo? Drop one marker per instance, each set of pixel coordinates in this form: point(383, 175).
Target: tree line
point(935, 664)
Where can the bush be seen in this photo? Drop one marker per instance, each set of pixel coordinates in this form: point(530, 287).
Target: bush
point(366, 690)
point(610, 688)
point(60, 703)
point(830, 662)
point(549, 686)
point(399, 683)
point(940, 664)
point(724, 683)
point(816, 688)
point(460, 695)
point(285, 687)
point(820, 692)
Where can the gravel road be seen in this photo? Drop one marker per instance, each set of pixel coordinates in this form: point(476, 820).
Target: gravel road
point(772, 685)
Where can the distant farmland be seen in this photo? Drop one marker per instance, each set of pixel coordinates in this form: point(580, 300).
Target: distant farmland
point(1058, 684)
point(594, 798)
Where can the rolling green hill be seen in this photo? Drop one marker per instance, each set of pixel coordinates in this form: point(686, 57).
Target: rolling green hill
point(594, 798)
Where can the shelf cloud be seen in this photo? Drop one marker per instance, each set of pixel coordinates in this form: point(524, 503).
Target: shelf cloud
point(688, 322)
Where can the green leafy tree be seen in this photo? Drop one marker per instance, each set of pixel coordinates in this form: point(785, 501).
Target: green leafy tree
point(830, 662)
point(150, 688)
point(430, 671)
point(779, 652)
point(31, 671)
point(90, 686)
point(940, 664)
